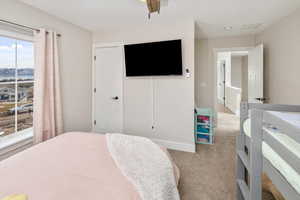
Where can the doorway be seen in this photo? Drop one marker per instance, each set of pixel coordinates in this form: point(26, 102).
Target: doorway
point(232, 80)
point(239, 77)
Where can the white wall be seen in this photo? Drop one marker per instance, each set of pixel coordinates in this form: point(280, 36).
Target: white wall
point(236, 71)
point(174, 96)
point(233, 99)
point(205, 65)
point(76, 54)
point(282, 53)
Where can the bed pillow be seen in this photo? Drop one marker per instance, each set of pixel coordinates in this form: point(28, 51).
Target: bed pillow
point(15, 197)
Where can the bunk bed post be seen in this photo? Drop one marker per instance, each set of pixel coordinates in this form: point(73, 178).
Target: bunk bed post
point(240, 146)
point(256, 157)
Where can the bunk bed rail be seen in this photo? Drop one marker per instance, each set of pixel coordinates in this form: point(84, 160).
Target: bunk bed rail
point(250, 156)
point(283, 127)
point(281, 150)
point(287, 128)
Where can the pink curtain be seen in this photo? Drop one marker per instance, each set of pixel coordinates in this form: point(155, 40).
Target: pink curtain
point(47, 116)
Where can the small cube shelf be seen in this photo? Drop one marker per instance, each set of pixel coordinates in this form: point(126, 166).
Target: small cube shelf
point(204, 129)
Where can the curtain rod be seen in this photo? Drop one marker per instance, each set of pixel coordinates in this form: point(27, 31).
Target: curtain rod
point(23, 26)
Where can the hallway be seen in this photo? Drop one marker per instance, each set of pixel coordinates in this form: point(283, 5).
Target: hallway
point(228, 124)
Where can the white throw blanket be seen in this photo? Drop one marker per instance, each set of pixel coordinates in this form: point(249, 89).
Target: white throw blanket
point(145, 165)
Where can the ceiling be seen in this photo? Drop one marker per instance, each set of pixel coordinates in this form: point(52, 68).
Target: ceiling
point(240, 17)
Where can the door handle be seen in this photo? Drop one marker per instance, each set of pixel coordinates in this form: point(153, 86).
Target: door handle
point(115, 98)
point(262, 99)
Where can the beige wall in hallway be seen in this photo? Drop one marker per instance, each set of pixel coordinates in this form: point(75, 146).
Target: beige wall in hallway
point(282, 64)
point(282, 53)
point(205, 72)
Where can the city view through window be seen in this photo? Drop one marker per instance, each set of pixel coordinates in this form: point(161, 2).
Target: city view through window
point(16, 85)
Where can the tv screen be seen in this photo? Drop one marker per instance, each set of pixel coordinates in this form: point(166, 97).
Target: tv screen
point(154, 59)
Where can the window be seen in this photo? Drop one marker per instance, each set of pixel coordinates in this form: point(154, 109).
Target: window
point(16, 85)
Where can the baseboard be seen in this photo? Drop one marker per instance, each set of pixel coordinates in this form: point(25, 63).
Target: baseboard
point(176, 145)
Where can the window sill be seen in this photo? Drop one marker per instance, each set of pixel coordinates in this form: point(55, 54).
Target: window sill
point(15, 143)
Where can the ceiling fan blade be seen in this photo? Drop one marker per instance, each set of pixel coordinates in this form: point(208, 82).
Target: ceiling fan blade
point(153, 5)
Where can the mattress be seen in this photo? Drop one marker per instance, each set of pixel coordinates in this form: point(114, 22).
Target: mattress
point(71, 166)
point(292, 118)
point(277, 161)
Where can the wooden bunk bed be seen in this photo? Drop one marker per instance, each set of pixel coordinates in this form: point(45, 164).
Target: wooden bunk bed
point(269, 143)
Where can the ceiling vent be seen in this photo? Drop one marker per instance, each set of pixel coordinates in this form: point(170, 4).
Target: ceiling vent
point(251, 26)
point(227, 28)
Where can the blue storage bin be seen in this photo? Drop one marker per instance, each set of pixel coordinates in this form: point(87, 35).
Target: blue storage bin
point(204, 128)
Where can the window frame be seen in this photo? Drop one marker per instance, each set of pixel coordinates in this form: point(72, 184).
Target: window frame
point(19, 140)
point(17, 36)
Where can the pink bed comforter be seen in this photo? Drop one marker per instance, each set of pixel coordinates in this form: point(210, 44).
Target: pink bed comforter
point(75, 166)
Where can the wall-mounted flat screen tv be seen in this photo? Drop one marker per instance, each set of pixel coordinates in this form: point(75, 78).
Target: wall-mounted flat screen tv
point(154, 59)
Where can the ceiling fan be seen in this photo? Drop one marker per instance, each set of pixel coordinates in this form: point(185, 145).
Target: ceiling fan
point(154, 6)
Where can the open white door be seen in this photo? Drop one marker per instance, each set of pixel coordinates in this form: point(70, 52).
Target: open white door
point(256, 75)
point(221, 82)
point(108, 91)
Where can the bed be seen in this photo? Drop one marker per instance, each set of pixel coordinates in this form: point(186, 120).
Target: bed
point(71, 166)
point(269, 142)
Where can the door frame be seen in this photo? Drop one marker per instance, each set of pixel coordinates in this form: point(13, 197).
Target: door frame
point(95, 46)
point(215, 70)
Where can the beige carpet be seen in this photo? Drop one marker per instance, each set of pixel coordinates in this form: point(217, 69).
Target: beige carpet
point(209, 174)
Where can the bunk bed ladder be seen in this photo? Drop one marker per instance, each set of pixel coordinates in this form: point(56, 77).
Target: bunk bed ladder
point(256, 157)
point(252, 162)
point(250, 156)
point(243, 192)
